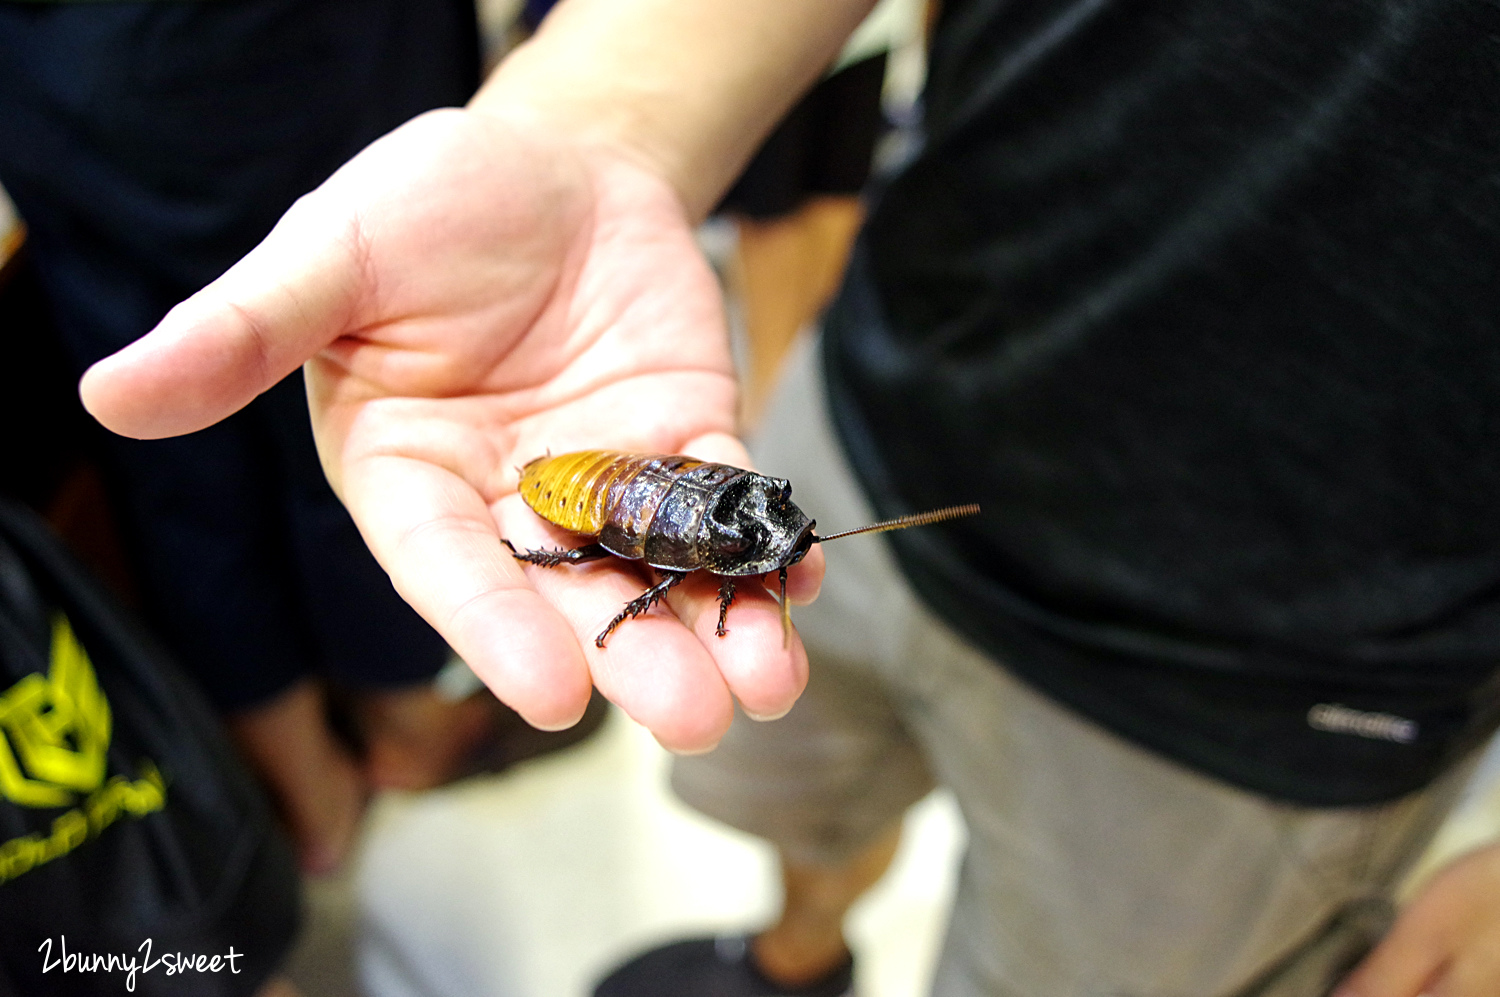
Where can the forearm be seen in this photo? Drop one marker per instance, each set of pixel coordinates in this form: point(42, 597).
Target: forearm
point(687, 87)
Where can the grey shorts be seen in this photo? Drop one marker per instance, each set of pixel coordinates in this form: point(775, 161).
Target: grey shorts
point(1094, 868)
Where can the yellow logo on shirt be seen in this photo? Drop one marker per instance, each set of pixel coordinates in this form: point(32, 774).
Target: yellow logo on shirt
point(54, 743)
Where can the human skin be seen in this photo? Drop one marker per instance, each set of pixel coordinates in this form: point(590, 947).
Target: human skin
point(486, 284)
point(1446, 943)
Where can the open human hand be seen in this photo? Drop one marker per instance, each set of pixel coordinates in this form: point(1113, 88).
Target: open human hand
point(1446, 943)
point(466, 294)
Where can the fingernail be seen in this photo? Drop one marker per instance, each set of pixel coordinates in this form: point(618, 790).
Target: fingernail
point(765, 717)
point(689, 752)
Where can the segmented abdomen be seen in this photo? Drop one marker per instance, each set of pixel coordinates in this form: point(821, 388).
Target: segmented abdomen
point(577, 490)
point(637, 505)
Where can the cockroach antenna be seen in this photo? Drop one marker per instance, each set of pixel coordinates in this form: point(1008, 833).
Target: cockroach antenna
point(786, 615)
point(902, 522)
point(899, 523)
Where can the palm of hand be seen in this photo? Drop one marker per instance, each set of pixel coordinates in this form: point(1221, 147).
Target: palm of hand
point(471, 295)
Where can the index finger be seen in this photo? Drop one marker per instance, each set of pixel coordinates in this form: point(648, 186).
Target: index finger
point(436, 537)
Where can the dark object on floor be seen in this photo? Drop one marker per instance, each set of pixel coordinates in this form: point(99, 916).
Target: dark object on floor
point(712, 967)
point(128, 827)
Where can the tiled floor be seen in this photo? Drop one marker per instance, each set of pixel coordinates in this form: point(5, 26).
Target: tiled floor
point(532, 884)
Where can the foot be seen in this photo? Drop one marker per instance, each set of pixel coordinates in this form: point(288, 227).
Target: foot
point(795, 957)
point(278, 986)
point(314, 780)
point(416, 738)
point(722, 967)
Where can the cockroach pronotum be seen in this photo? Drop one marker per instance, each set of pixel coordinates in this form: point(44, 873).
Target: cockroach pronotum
point(679, 515)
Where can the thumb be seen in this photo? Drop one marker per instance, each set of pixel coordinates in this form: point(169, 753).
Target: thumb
point(215, 352)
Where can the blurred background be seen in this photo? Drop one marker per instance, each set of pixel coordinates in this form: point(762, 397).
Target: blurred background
point(533, 883)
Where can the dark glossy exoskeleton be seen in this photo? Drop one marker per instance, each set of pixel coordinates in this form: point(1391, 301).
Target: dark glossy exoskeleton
point(678, 515)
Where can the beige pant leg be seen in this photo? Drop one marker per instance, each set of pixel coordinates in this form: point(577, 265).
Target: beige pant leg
point(1095, 868)
point(1098, 869)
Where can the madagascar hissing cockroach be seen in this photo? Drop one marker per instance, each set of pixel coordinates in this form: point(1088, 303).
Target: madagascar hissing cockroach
point(679, 515)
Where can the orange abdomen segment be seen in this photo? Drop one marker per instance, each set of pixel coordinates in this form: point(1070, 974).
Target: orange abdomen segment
point(579, 491)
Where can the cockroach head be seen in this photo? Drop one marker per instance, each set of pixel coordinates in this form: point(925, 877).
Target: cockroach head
point(753, 527)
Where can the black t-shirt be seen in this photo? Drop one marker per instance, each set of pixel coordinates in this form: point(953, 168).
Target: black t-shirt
point(1201, 301)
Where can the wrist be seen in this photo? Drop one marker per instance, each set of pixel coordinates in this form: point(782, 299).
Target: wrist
point(685, 89)
point(640, 120)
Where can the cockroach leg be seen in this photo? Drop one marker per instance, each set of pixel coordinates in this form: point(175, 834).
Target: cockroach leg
point(726, 597)
point(642, 602)
point(552, 558)
point(786, 614)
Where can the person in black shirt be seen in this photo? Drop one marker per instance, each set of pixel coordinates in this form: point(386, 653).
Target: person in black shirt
point(148, 146)
point(1194, 300)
